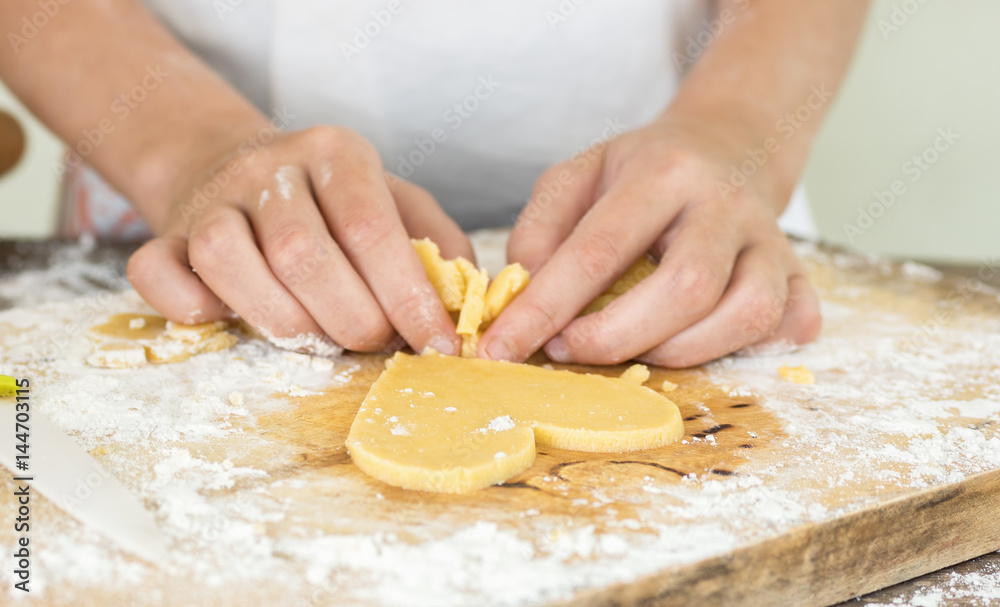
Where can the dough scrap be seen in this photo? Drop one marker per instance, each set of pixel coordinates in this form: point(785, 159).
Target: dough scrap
point(505, 287)
point(637, 374)
point(465, 289)
point(638, 271)
point(132, 340)
point(445, 275)
point(449, 424)
point(797, 375)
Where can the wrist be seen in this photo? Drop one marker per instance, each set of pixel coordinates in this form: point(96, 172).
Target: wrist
point(750, 153)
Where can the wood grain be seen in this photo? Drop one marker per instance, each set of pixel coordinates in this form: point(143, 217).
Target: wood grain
point(900, 531)
point(958, 586)
point(823, 564)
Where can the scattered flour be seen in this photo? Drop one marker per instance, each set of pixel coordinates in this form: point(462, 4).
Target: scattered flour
point(500, 424)
point(979, 588)
point(911, 406)
point(283, 177)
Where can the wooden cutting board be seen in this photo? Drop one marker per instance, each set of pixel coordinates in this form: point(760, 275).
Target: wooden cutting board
point(885, 469)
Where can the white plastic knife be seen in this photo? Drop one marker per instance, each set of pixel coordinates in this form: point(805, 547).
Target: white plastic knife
point(71, 478)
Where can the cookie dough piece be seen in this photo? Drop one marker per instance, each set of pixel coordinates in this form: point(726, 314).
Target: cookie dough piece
point(179, 350)
point(117, 355)
point(633, 276)
point(194, 333)
point(465, 289)
point(505, 287)
point(132, 340)
point(449, 424)
point(462, 288)
point(797, 375)
point(129, 327)
point(668, 386)
point(471, 315)
point(445, 275)
point(636, 374)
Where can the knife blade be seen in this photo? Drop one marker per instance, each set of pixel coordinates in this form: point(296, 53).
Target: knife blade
point(71, 478)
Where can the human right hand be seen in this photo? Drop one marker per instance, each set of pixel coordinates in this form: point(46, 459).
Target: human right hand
point(307, 239)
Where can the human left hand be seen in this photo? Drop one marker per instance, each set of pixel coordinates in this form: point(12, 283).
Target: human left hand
point(727, 277)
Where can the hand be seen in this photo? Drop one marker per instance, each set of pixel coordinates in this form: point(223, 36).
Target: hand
point(727, 276)
point(307, 239)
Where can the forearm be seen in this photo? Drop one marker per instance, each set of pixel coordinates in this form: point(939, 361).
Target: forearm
point(109, 69)
point(770, 58)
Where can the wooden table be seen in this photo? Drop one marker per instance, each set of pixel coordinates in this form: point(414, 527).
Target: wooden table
point(19, 257)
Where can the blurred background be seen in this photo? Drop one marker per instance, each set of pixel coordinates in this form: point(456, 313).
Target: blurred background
point(882, 178)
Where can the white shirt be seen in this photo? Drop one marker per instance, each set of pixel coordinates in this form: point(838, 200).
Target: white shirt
point(471, 99)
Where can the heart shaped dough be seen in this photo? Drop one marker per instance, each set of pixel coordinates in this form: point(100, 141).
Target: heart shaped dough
point(450, 425)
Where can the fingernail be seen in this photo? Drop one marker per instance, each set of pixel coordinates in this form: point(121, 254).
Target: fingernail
point(498, 350)
point(397, 344)
point(556, 349)
point(442, 344)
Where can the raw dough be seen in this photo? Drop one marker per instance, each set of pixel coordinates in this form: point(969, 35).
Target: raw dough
point(642, 268)
point(445, 276)
point(449, 424)
point(467, 290)
point(797, 375)
point(463, 289)
point(132, 340)
point(637, 374)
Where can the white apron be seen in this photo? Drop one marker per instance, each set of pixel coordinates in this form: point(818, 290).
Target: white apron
point(473, 99)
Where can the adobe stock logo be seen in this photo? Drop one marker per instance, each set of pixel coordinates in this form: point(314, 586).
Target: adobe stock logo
point(899, 17)
point(33, 24)
point(787, 126)
point(370, 29)
point(455, 116)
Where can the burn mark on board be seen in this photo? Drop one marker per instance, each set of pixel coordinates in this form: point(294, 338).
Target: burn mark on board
point(653, 464)
point(741, 406)
point(712, 430)
point(517, 485)
point(941, 497)
point(557, 469)
point(323, 460)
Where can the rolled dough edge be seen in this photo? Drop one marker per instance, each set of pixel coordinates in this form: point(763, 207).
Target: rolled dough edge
point(456, 479)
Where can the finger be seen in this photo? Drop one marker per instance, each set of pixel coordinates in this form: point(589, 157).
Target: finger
point(362, 216)
point(683, 290)
point(161, 273)
point(751, 309)
point(304, 257)
point(223, 252)
point(619, 228)
point(801, 323)
point(424, 218)
point(561, 196)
